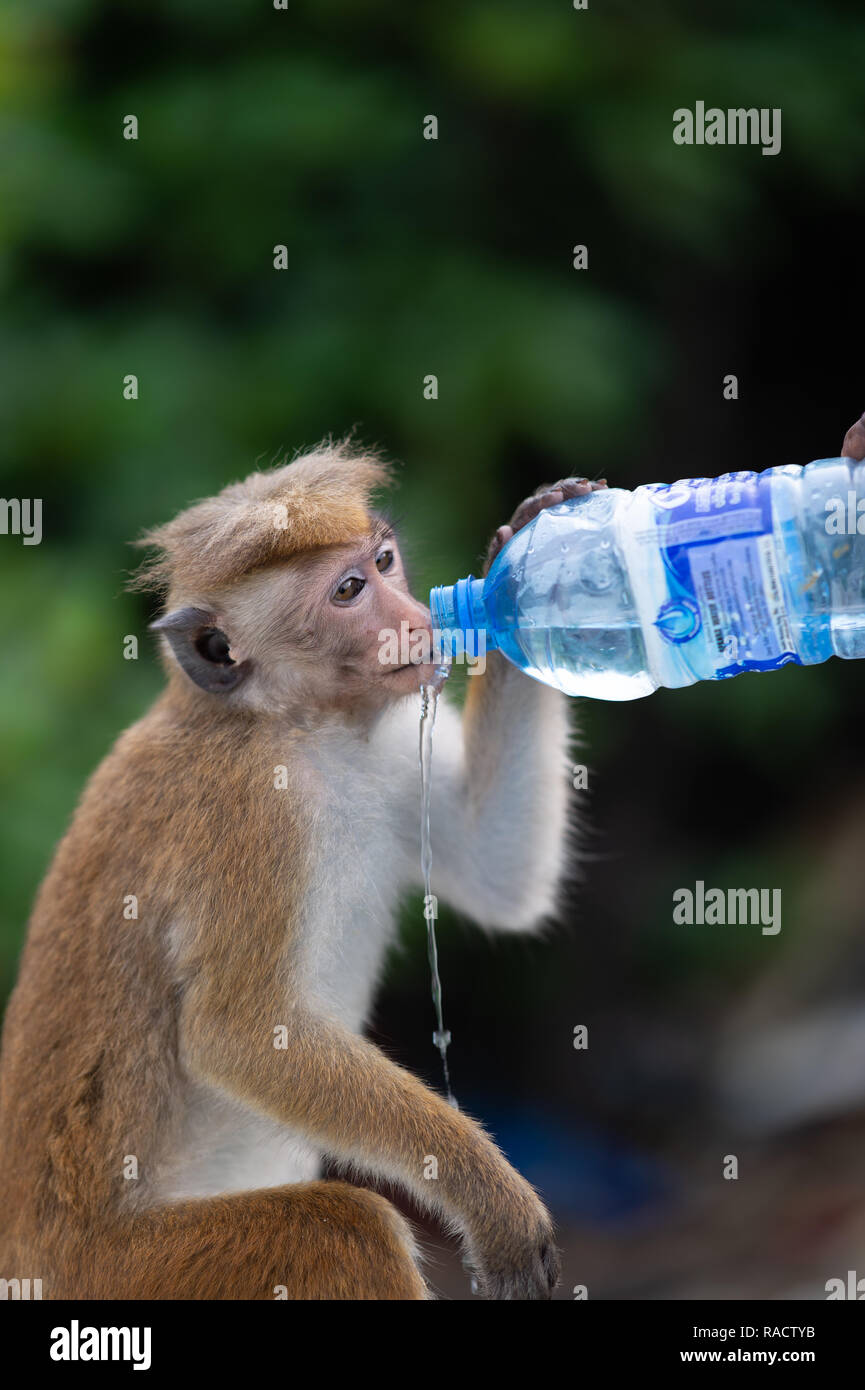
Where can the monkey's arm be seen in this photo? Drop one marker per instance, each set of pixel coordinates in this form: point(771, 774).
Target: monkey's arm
point(500, 788)
point(350, 1100)
point(500, 798)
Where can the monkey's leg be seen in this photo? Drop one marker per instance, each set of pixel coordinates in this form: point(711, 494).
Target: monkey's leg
point(315, 1240)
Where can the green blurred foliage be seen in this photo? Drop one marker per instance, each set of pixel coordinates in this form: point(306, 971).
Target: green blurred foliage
point(260, 127)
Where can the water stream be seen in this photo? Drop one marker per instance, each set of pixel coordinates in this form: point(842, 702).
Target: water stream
point(429, 704)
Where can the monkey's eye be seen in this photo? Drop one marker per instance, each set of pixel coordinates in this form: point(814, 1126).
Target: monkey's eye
point(213, 645)
point(384, 561)
point(348, 589)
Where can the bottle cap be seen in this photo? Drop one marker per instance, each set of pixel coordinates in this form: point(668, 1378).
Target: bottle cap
point(458, 616)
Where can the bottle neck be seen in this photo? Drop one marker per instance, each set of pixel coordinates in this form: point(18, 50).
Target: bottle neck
point(458, 615)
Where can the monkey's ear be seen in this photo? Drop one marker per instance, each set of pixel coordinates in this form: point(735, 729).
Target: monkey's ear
point(202, 649)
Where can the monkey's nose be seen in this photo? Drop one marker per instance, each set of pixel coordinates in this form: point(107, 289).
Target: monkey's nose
point(424, 618)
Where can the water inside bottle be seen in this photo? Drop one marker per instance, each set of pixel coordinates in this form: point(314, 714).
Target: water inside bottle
point(592, 660)
point(569, 565)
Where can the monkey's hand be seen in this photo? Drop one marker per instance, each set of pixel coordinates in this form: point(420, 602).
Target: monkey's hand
point(854, 441)
point(511, 1248)
point(545, 496)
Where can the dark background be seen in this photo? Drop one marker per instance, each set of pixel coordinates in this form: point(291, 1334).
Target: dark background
point(453, 257)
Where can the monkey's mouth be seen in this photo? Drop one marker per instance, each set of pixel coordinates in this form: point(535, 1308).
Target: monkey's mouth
point(409, 666)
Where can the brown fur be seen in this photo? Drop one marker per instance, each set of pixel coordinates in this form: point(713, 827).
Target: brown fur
point(318, 500)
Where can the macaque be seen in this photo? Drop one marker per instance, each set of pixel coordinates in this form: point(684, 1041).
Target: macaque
point(185, 1041)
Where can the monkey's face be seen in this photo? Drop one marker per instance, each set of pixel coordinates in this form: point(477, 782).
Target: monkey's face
point(330, 630)
point(382, 636)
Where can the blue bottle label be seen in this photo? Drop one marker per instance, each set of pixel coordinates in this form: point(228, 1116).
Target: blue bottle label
point(725, 611)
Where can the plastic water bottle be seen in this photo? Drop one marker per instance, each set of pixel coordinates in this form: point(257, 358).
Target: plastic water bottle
point(614, 593)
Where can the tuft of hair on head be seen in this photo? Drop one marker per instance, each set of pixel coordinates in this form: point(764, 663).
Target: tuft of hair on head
point(321, 498)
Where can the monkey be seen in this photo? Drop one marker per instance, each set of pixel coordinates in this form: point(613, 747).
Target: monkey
point(185, 1040)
